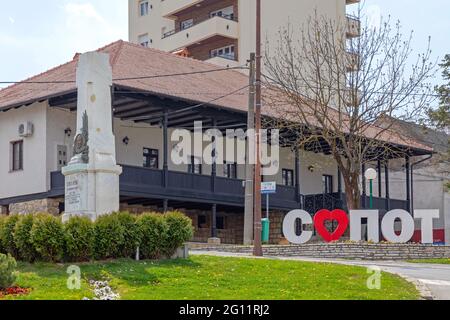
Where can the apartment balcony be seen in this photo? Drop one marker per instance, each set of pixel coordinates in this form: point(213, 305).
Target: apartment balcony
point(169, 8)
point(353, 27)
point(226, 61)
point(353, 97)
point(353, 61)
point(224, 27)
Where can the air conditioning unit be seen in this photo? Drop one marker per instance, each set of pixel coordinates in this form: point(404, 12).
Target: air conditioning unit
point(26, 129)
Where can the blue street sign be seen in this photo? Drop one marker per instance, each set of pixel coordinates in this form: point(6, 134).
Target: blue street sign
point(268, 187)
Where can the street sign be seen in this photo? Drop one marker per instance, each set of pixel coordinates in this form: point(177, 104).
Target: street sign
point(268, 187)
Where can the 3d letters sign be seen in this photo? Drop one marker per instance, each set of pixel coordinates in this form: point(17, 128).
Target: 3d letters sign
point(354, 221)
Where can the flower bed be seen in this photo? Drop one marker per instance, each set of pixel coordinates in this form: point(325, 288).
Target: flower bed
point(14, 291)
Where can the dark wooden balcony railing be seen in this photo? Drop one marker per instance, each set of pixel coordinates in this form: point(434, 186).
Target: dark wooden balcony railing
point(138, 182)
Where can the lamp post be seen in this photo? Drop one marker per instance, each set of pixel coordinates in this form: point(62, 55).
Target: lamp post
point(371, 174)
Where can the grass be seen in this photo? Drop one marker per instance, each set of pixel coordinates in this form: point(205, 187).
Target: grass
point(206, 278)
point(435, 261)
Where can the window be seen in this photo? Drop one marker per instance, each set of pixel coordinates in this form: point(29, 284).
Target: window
point(220, 223)
point(144, 40)
point(288, 177)
point(17, 156)
point(230, 170)
point(151, 158)
point(327, 182)
point(227, 52)
point(195, 166)
point(201, 222)
point(227, 12)
point(186, 24)
point(143, 8)
point(61, 157)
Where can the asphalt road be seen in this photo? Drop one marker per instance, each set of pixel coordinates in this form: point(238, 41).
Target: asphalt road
point(436, 277)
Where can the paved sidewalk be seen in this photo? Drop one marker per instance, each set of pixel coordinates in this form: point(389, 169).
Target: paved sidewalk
point(436, 277)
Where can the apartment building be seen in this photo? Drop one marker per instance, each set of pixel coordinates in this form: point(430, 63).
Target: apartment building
point(222, 32)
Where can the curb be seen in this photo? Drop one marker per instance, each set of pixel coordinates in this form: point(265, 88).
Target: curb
point(424, 291)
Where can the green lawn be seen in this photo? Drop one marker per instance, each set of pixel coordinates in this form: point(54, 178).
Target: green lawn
point(436, 261)
point(205, 278)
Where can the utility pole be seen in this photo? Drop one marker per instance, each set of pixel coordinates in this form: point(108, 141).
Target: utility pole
point(257, 251)
point(250, 168)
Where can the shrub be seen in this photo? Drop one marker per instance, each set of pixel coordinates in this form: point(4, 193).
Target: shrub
point(2, 222)
point(132, 234)
point(7, 271)
point(109, 237)
point(153, 228)
point(7, 235)
point(48, 237)
point(80, 235)
point(22, 238)
point(179, 231)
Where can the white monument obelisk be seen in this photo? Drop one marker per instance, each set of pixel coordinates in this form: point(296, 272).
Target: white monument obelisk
point(92, 176)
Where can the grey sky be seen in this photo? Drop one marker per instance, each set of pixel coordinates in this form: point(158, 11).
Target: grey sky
point(37, 35)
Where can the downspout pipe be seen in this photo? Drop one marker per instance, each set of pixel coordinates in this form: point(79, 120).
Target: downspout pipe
point(412, 179)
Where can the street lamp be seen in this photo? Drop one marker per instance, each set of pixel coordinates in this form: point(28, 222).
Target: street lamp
point(371, 174)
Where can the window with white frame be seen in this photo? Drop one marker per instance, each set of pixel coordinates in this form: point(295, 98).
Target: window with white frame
point(16, 156)
point(227, 52)
point(144, 8)
point(186, 24)
point(227, 12)
point(144, 40)
point(195, 165)
point(230, 170)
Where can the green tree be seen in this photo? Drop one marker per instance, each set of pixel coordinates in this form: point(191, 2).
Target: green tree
point(440, 117)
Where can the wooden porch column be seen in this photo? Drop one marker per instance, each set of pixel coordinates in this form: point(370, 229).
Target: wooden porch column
point(364, 191)
point(408, 184)
point(214, 221)
point(214, 163)
point(379, 178)
point(297, 177)
point(166, 147)
point(340, 193)
point(386, 178)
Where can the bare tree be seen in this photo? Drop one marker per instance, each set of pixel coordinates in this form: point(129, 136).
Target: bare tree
point(337, 92)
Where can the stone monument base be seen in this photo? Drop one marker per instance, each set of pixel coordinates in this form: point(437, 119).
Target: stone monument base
point(91, 192)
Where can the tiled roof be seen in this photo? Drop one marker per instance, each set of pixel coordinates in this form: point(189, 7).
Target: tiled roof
point(130, 60)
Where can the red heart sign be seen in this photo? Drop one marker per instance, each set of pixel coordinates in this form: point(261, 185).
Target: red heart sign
point(336, 215)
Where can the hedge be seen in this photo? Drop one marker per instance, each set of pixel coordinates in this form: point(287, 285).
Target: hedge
point(43, 237)
point(22, 238)
point(80, 237)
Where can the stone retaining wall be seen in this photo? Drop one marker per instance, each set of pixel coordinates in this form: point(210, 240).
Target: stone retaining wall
point(50, 206)
point(343, 251)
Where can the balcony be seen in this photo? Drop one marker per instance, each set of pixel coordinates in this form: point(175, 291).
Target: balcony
point(226, 61)
point(353, 97)
point(169, 8)
point(353, 27)
point(224, 26)
point(353, 61)
point(144, 183)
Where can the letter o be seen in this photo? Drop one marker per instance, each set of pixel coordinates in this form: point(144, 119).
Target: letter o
point(289, 227)
point(388, 226)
